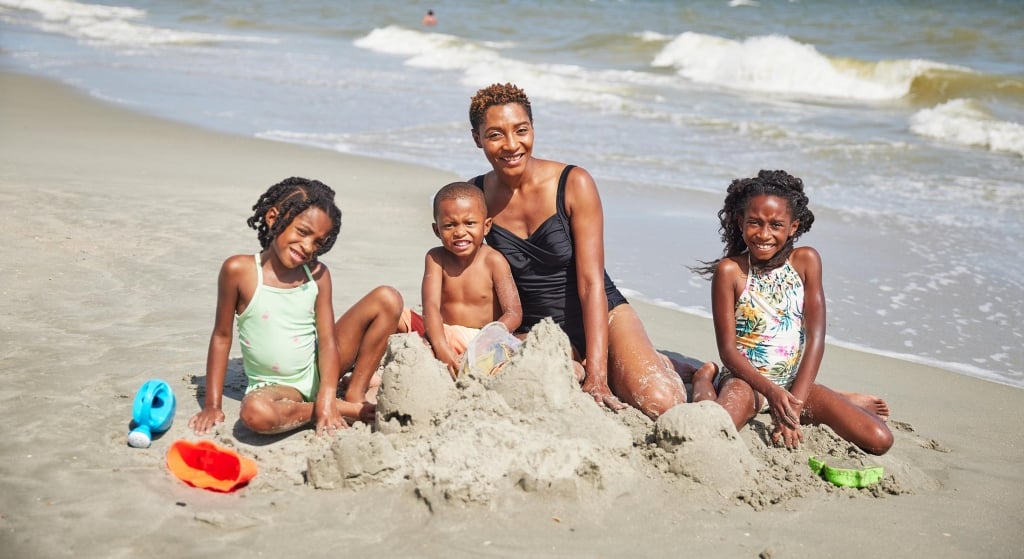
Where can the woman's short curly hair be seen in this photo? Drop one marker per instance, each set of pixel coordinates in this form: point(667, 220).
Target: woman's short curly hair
point(496, 94)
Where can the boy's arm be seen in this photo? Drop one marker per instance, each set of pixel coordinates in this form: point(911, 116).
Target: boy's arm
point(505, 290)
point(807, 263)
point(228, 283)
point(431, 290)
point(325, 412)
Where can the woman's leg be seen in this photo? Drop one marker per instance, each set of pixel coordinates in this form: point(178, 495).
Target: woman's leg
point(637, 373)
point(850, 421)
point(362, 334)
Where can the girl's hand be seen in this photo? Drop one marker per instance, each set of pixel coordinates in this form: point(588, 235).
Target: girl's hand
point(788, 436)
point(203, 421)
point(328, 419)
point(785, 408)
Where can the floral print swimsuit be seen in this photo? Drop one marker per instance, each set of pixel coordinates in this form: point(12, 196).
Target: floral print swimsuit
point(770, 322)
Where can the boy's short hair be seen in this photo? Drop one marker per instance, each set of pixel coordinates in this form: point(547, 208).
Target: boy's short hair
point(457, 190)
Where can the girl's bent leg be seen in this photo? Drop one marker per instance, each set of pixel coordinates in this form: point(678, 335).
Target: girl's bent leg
point(270, 410)
point(853, 423)
point(362, 334)
point(637, 373)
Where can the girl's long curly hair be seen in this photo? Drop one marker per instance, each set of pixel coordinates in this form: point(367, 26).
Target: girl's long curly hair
point(739, 194)
point(291, 197)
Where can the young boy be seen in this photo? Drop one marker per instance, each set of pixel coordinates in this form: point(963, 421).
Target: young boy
point(466, 284)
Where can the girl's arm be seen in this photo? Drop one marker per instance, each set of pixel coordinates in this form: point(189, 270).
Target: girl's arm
point(228, 287)
point(807, 262)
point(325, 411)
point(430, 293)
point(505, 290)
point(586, 218)
point(727, 282)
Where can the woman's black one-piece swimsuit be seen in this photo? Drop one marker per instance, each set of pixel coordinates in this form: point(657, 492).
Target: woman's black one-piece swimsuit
point(544, 267)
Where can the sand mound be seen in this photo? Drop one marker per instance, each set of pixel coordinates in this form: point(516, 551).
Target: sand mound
point(531, 429)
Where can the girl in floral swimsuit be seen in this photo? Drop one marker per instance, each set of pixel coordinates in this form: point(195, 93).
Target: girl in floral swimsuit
point(769, 314)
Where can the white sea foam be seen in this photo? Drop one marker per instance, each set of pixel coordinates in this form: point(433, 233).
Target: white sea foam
point(118, 25)
point(481, 64)
point(965, 122)
point(778, 64)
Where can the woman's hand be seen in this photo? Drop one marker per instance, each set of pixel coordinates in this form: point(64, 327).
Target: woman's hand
point(205, 420)
point(602, 395)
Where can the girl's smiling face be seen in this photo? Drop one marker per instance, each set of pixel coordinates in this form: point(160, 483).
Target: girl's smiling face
point(302, 238)
point(766, 225)
point(506, 136)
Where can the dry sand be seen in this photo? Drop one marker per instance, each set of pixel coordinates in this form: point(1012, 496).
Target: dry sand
point(114, 226)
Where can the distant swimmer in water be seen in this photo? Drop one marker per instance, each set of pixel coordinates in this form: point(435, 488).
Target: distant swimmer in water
point(429, 19)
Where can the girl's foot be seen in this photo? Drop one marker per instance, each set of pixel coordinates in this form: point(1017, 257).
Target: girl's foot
point(869, 402)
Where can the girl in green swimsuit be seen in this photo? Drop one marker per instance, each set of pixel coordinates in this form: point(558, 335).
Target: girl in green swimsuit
point(293, 351)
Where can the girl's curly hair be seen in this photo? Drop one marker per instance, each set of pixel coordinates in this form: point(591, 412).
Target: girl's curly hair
point(739, 194)
point(291, 197)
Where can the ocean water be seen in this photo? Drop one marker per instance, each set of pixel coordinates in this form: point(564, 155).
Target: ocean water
point(905, 119)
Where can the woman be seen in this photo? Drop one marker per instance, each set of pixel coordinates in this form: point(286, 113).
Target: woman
point(548, 222)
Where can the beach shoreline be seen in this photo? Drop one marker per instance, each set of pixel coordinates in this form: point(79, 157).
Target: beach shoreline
point(116, 224)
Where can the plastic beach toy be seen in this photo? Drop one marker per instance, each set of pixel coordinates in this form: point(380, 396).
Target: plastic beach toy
point(206, 465)
point(489, 349)
point(152, 412)
point(846, 477)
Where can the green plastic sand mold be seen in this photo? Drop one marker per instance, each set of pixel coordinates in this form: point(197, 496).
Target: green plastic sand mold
point(846, 477)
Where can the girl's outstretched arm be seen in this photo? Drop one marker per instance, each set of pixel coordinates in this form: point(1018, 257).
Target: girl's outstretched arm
point(232, 274)
point(807, 262)
point(325, 410)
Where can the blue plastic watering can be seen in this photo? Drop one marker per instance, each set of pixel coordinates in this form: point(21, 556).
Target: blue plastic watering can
point(152, 412)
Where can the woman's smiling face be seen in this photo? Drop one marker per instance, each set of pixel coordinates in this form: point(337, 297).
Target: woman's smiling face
point(506, 136)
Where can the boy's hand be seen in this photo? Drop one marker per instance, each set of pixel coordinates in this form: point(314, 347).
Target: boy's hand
point(203, 421)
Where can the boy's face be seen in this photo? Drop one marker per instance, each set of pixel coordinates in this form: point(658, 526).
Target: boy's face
point(461, 224)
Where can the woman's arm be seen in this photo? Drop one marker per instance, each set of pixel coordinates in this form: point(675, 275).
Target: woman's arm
point(586, 218)
point(325, 411)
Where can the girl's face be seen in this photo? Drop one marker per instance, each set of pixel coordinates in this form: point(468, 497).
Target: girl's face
point(506, 136)
point(302, 238)
point(766, 225)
